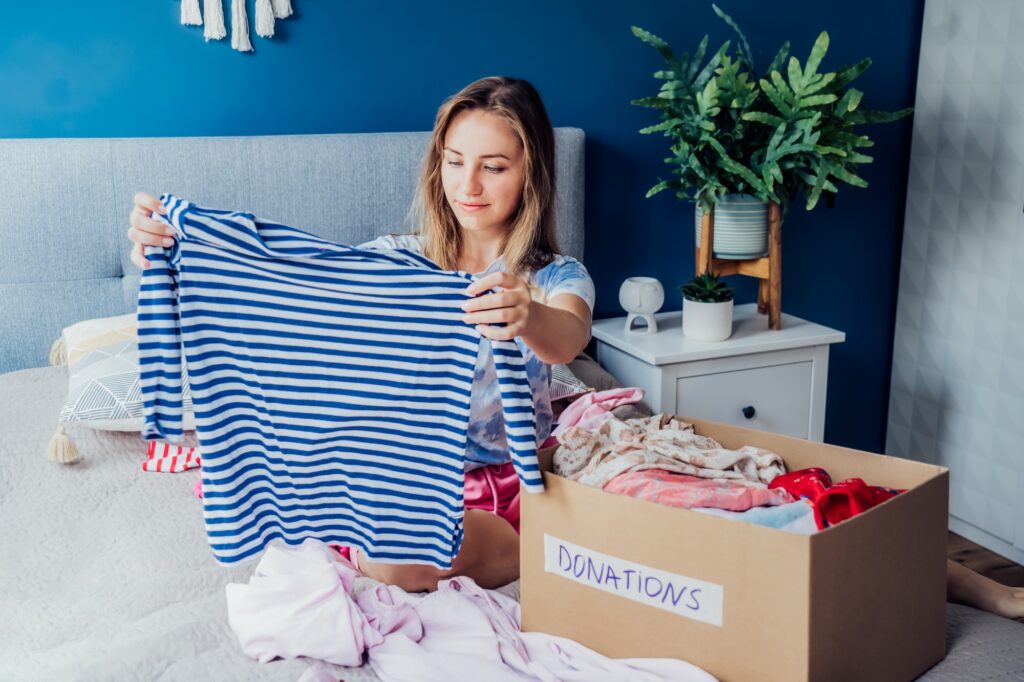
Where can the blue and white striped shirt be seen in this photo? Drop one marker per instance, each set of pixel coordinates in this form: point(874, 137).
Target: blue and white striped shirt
point(331, 385)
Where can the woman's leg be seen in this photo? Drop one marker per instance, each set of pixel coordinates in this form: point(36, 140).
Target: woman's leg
point(965, 586)
point(489, 555)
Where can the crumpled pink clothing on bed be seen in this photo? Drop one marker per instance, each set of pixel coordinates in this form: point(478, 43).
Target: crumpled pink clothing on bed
point(680, 490)
point(659, 442)
point(591, 410)
point(299, 602)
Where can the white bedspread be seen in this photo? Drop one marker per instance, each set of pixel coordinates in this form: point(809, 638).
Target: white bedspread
point(105, 573)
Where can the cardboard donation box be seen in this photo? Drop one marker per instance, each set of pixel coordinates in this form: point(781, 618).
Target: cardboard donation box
point(862, 600)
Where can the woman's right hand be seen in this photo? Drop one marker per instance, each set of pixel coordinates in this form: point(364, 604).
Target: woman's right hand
point(144, 230)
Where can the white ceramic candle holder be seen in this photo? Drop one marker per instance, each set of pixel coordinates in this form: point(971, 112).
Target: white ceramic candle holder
point(641, 297)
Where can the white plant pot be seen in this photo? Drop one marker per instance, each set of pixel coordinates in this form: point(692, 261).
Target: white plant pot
point(741, 227)
point(707, 321)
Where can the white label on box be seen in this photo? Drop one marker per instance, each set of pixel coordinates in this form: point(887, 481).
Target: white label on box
point(683, 596)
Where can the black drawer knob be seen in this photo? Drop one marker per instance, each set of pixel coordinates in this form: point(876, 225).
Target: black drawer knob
point(749, 411)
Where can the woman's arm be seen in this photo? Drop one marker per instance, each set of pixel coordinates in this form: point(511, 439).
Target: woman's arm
point(556, 331)
point(559, 330)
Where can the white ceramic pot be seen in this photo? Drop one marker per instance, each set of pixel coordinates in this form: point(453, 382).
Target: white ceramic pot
point(707, 321)
point(741, 227)
point(641, 297)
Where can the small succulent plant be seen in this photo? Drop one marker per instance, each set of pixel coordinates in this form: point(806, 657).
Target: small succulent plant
point(707, 288)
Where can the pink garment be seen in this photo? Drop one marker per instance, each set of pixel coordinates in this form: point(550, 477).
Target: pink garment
point(493, 488)
point(593, 409)
point(680, 490)
point(170, 459)
point(299, 603)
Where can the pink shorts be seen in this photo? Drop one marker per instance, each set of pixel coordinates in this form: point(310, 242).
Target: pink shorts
point(494, 488)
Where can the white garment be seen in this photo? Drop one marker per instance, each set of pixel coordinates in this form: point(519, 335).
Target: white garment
point(299, 603)
point(296, 604)
point(594, 457)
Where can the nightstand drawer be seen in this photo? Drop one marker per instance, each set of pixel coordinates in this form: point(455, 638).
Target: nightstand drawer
point(777, 398)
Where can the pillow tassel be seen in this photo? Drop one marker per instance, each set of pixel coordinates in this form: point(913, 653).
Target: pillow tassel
point(59, 352)
point(264, 19)
point(282, 8)
point(240, 27)
point(190, 15)
point(214, 11)
point(62, 449)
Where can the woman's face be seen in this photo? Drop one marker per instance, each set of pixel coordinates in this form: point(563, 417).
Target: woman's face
point(482, 170)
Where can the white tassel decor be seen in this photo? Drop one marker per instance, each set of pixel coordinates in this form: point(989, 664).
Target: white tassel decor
point(190, 15)
point(214, 12)
point(61, 448)
point(282, 8)
point(264, 19)
point(240, 27)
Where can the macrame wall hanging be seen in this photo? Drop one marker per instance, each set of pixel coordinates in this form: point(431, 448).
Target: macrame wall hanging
point(267, 11)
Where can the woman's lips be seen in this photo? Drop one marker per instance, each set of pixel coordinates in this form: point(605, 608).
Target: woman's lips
point(470, 208)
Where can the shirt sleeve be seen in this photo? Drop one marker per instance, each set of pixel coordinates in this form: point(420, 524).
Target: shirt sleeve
point(160, 358)
point(567, 276)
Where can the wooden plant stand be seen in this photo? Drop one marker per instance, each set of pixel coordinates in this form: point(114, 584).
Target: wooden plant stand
point(768, 269)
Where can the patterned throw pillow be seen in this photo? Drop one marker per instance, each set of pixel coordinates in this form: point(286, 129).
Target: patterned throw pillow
point(565, 384)
point(103, 375)
point(104, 390)
point(81, 338)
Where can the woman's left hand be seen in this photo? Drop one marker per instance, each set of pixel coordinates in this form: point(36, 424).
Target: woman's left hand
point(512, 305)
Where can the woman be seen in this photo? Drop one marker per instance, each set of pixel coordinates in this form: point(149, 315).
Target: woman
point(486, 205)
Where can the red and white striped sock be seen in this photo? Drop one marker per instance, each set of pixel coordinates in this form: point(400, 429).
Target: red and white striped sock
point(170, 459)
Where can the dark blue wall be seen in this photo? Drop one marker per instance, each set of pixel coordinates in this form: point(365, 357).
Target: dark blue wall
point(125, 68)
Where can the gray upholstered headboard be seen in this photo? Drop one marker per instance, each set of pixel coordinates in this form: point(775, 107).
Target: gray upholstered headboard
point(64, 207)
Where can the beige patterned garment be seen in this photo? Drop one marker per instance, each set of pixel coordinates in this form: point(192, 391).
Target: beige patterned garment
point(659, 442)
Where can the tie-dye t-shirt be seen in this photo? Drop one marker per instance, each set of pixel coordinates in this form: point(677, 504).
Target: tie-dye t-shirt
point(487, 443)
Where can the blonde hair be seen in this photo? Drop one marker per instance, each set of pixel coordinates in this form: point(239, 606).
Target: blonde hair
point(530, 244)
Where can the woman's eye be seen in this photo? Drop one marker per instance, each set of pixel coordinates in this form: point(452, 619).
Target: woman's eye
point(494, 169)
point(454, 164)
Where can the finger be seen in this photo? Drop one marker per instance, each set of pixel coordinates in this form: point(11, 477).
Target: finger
point(484, 283)
point(141, 221)
point(496, 333)
point(149, 202)
point(490, 302)
point(490, 316)
point(149, 238)
point(139, 258)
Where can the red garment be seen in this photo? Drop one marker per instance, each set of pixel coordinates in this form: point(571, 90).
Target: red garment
point(170, 459)
point(848, 498)
point(679, 490)
point(833, 502)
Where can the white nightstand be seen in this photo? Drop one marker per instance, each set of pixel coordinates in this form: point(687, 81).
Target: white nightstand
point(757, 378)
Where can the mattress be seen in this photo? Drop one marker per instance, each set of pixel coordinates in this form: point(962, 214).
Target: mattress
point(105, 573)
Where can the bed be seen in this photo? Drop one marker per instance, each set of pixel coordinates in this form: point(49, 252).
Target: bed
point(105, 571)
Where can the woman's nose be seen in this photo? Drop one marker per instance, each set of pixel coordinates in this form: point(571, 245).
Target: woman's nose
point(470, 185)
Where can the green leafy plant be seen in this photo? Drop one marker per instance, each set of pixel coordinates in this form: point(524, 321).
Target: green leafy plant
point(707, 288)
point(774, 136)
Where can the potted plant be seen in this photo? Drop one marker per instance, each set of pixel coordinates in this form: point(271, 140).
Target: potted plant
point(742, 139)
point(707, 308)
